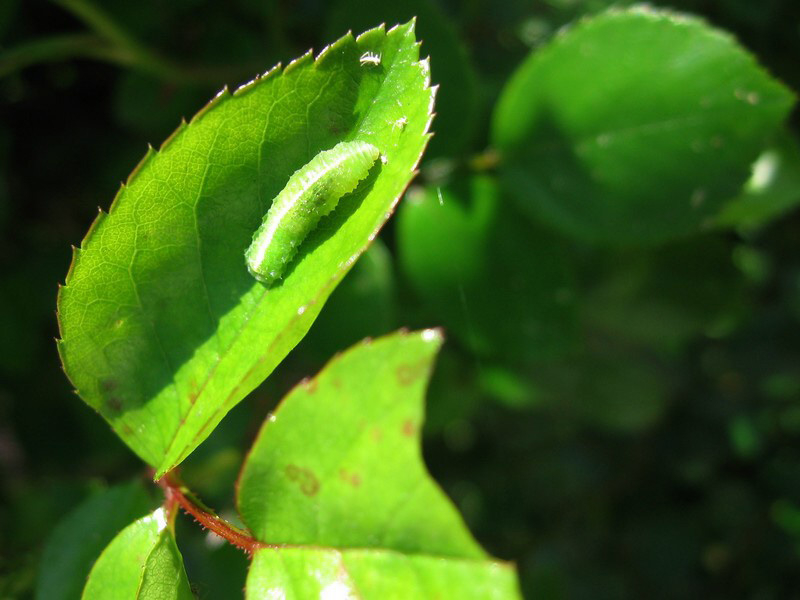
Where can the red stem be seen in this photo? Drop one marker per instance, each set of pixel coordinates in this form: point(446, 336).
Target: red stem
point(174, 491)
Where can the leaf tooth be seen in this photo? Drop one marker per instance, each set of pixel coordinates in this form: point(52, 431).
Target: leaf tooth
point(61, 295)
point(425, 66)
point(73, 259)
point(380, 28)
point(273, 72)
point(258, 79)
point(62, 355)
point(411, 25)
point(73, 264)
point(142, 163)
point(247, 86)
point(122, 187)
point(178, 130)
point(299, 61)
point(329, 51)
point(87, 239)
point(60, 345)
point(62, 290)
point(431, 103)
point(222, 95)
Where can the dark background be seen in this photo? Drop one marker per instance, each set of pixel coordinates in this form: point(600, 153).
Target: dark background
point(681, 477)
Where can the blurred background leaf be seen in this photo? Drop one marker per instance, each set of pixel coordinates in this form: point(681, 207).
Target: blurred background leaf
point(634, 126)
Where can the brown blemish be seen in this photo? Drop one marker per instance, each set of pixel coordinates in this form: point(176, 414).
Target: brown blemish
point(194, 391)
point(353, 479)
point(108, 385)
point(127, 429)
point(114, 404)
point(409, 428)
point(377, 434)
point(311, 385)
point(305, 478)
point(409, 373)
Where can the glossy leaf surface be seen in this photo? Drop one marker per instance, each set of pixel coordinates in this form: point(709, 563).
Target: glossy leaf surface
point(338, 467)
point(772, 190)
point(163, 330)
point(502, 284)
point(457, 100)
point(298, 573)
point(142, 563)
point(634, 126)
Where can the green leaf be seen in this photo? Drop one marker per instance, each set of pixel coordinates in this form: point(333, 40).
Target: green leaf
point(607, 388)
point(163, 330)
point(501, 284)
point(665, 297)
point(337, 473)
point(635, 126)
point(300, 573)
point(78, 540)
point(142, 562)
point(457, 100)
point(772, 190)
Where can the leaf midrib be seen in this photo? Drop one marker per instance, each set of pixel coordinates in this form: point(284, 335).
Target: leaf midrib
point(257, 305)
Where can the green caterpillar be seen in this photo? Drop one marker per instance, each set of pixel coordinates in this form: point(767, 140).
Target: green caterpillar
point(311, 193)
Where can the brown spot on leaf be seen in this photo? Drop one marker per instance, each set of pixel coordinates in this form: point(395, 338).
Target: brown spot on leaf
point(408, 373)
point(114, 404)
point(305, 478)
point(409, 428)
point(193, 391)
point(353, 479)
point(311, 385)
point(377, 434)
point(108, 385)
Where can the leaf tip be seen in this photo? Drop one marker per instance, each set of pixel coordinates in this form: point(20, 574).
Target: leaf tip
point(432, 335)
point(160, 472)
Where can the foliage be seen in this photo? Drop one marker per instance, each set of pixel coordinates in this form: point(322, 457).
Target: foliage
point(605, 223)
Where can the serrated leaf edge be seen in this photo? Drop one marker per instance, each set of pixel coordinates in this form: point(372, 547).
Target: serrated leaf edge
point(344, 267)
point(221, 97)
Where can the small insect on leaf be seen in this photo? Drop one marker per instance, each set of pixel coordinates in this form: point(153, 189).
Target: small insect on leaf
point(370, 58)
point(311, 193)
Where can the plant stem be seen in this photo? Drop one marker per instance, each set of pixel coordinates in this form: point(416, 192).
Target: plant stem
point(176, 492)
point(105, 27)
point(58, 48)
